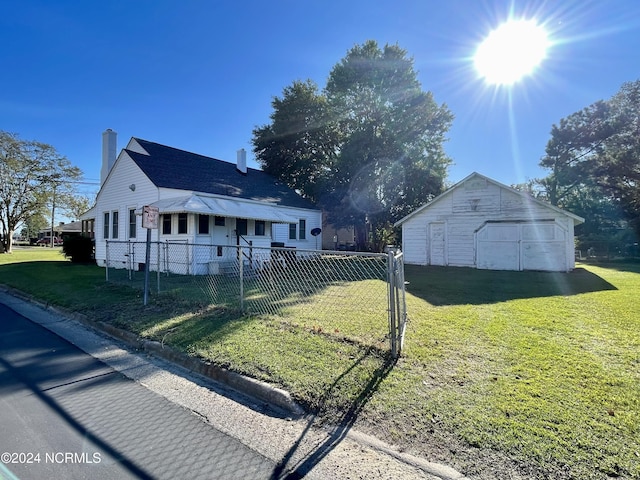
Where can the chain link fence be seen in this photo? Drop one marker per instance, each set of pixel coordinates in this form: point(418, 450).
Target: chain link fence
point(351, 292)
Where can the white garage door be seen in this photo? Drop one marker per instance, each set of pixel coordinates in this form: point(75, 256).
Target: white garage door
point(521, 246)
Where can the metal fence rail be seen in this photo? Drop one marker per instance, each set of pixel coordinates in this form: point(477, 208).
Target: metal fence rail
point(305, 284)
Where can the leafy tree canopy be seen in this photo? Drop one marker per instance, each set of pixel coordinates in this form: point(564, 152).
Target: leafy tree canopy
point(33, 225)
point(368, 147)
point(31, 173)
point(594, 159)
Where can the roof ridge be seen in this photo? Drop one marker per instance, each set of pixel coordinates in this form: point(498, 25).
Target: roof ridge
point(191, 153)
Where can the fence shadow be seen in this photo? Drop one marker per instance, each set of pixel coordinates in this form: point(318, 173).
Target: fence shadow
point(460, 285)
point(341, 424)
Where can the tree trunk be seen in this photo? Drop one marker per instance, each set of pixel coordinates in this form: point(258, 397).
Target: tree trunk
point(5, 244)
point(360, 231)
point(8, 242)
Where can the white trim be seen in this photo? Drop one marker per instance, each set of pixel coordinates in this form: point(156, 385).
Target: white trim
point(576, 219)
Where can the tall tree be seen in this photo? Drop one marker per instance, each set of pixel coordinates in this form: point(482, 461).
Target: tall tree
point(617, 168)
point(300, 144)
point(33, 225)
point(393, 158)
point(31, 173)
point(369, 148)
point(75, 204)
point(596, 152)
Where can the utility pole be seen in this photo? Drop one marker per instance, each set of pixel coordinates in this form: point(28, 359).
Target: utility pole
point(53, 210)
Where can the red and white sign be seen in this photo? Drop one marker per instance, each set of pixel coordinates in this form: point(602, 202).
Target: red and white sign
point(150, 217)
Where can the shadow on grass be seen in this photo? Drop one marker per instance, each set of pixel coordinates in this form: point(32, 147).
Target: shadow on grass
point(460, 285)
point(341, 425)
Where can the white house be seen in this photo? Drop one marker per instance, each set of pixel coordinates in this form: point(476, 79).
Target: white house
point(201, 200)
point(484, 224)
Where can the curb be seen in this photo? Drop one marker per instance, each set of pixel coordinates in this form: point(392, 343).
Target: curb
point(437, 469)
point(242, 384)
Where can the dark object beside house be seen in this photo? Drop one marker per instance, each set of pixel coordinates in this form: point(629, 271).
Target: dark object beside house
point(79, 249)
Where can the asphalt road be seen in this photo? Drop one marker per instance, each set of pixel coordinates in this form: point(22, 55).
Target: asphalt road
point(65, 414)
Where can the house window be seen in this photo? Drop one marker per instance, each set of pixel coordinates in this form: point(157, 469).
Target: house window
point(219, 221)
point(166, 224)
point(132, 223)
point(203, 224)
point(182, 223)
point(114, 219)
point(260, 227)
point(241, 226)
point(105, 228)
point(303, 229)
point(292, 231)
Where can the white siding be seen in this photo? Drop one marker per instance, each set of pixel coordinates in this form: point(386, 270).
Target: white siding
point(115, 195)
point(469, 206)
point(313, 219)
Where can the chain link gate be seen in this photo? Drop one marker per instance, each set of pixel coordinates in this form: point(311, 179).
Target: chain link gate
point(306, 285)
point(397, 302)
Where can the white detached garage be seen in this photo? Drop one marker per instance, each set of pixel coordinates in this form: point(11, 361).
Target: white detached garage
point(484, 224)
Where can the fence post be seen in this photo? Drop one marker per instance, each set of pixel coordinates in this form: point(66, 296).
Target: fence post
point(402, 322)
point(392, 303)
point(129, 259)
point(107, 260)
point(241, 268)
point(158, 266)
point(147, 258)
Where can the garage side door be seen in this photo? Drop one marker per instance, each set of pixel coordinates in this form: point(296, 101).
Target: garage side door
point(497, 247)
point(437, 245)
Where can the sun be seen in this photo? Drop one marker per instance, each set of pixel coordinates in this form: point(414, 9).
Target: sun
point(511, 51)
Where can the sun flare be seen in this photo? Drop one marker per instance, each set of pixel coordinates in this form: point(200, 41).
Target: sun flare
point(511, 51)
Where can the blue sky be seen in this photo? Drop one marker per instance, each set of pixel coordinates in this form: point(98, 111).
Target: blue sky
point(200, 75)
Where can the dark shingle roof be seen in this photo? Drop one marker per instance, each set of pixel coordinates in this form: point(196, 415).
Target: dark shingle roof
point(168, 167)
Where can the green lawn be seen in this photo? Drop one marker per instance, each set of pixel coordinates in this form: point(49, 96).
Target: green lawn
point(532, 372)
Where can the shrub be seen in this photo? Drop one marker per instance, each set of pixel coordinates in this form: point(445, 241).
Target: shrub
point(79, 249)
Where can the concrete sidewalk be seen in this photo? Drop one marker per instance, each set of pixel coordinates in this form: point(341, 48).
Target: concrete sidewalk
point(260, 416)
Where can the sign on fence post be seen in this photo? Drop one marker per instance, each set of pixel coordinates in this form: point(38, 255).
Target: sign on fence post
point(150, 216)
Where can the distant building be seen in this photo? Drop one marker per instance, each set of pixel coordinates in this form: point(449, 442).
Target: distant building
point(62, 230)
